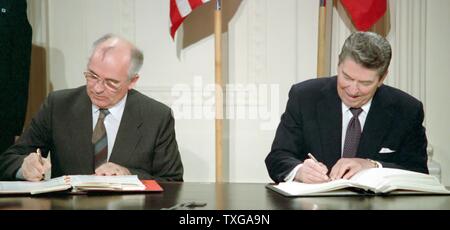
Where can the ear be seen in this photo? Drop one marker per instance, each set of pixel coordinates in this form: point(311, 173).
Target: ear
point(383, 78)
point(133, 81)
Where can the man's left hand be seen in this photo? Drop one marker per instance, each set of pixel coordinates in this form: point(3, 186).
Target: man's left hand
point(345, 168)
point(111, 169)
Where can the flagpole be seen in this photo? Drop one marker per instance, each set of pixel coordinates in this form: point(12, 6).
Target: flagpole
point(321, 48)
point(219, 90)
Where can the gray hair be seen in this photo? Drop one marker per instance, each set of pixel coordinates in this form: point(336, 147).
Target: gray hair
point(368, 49)
point(137, 57)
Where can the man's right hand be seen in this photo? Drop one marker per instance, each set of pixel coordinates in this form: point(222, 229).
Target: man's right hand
point(312, 172)
point(34, 167)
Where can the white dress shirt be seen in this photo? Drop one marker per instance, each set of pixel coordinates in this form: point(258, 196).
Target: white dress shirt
point(112, 121)
point(346, 117)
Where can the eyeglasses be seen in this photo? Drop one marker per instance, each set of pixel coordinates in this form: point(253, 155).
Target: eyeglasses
point(110, 84)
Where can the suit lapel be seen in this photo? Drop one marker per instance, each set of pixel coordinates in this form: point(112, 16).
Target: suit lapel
point(128, 135)
point(378, 122)
point(81, 124)
point(329, 115)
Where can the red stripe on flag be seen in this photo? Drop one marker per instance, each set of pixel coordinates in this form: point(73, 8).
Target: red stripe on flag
point(195, 3)
point(175, 17)
point(365, 14)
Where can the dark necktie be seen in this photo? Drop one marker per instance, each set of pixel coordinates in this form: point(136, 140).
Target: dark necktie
point(100, 140)
point(353, 134)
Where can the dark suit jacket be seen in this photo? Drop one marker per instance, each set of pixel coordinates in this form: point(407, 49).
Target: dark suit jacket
point(15, 57)
point(145, 142)
point(312, 123)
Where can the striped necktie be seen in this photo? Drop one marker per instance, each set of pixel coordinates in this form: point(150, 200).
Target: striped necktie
point(100, 140)
point(353, 134)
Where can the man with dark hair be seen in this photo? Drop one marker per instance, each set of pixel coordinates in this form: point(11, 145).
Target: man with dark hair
point(334, 127)
point(15, 58)
point(104, 128)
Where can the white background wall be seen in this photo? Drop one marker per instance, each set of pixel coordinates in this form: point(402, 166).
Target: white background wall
point(272, 43)
point(438, 82)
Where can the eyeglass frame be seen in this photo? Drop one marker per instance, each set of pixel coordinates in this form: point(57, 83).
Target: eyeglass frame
point(96, 79)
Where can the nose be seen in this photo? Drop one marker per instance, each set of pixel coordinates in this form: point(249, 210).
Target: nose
point(99, 87)
point(353, 89)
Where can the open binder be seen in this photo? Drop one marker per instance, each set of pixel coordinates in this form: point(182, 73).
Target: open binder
point(81, 183)
point(375, 181)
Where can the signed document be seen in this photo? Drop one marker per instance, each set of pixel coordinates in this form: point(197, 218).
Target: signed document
point(80, 183)
point(369, 181)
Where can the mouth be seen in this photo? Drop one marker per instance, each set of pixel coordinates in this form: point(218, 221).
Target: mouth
point(353, 97)
point(97, 97)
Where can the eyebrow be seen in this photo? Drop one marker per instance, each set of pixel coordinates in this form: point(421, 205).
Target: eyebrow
point(364, 82)
point(346, 74)
point(106, 79)
point(93, 72)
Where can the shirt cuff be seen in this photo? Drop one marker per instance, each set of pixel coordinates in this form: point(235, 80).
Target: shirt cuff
point(19, 174)
point(291, 176)
point(379, 164)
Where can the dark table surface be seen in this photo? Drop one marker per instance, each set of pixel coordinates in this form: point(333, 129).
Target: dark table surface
point(224, 196)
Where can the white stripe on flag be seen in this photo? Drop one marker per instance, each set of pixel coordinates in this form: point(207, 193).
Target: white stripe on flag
point(183, 7)
point(204, 1)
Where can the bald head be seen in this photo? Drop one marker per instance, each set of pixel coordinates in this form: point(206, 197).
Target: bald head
point(113, 46)
point(112, 70)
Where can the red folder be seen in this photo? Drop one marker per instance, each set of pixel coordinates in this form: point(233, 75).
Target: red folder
point(152, 186)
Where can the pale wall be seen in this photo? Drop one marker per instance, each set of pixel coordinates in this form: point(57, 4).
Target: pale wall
point(272, 43)
point(438, 83)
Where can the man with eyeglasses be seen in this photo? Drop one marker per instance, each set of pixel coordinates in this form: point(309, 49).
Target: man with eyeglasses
point(103, 128)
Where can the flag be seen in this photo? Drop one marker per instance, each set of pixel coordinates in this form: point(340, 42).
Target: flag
point(365, 13)
point(179, 10)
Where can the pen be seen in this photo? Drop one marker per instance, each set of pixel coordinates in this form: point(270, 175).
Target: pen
point(313, 158)
point(38, 151)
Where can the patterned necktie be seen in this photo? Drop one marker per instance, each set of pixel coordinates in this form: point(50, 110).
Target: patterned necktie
point(100, 140)
point(353, 134)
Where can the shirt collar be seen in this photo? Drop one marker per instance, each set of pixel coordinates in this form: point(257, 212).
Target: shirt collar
point(365, 107)
point(117, 110)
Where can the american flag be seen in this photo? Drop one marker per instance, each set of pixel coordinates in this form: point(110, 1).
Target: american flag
point(179, 10)
point(365, 14)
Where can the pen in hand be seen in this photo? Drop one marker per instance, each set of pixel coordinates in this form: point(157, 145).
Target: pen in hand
point(38, 151)
point(316, 161)
point(41, 161)
point(313, 158)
